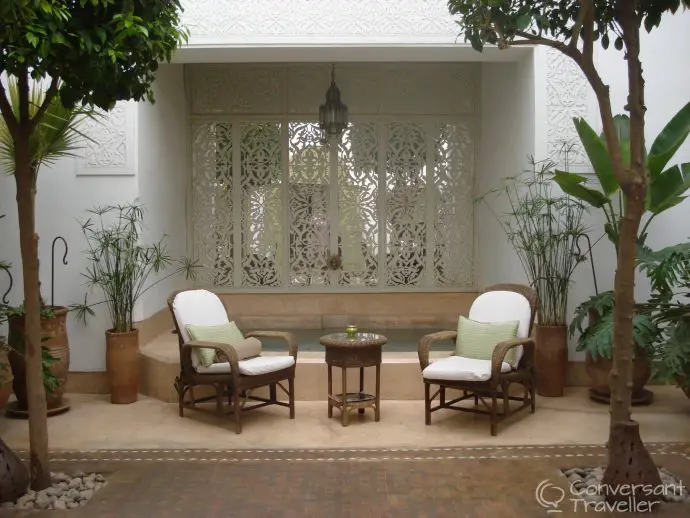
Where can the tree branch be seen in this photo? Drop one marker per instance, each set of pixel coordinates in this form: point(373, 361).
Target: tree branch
point(7, 112)
point(50, 94)
point(588, 35)
point(23, 87)
point(585, 7)
point(531, 39)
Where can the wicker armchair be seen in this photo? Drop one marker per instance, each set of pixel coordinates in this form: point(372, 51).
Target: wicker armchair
point(232, 376)
point(483, 380)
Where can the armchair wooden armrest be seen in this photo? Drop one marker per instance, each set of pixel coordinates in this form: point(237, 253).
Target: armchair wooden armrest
point(288, 337)
point(221, 350)
point(499, 354)
point(425, 345)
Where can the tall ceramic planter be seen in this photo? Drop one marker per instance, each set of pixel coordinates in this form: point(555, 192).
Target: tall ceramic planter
point(123, 365)
point(551, 359)
point(54, 334)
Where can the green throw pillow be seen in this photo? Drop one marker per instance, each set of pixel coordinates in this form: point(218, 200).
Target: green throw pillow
point(478, 340)
point(225, 334)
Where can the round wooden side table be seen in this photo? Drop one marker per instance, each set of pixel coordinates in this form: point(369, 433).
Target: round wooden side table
point(349, 352)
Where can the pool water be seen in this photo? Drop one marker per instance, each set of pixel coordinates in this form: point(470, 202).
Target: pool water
point(399, 340)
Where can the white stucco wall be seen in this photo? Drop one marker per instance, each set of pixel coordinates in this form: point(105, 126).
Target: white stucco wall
point(65, 191)
point(163, 174)
point(507, 139)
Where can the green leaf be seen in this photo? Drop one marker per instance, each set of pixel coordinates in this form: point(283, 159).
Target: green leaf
point(667, 188)
point(572, 184)
point(669, 140)
point(523, 21)
point(598, 155)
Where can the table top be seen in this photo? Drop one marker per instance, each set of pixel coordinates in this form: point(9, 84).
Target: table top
point(359, 340)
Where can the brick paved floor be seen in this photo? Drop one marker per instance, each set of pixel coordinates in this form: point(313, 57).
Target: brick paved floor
point(487, 482)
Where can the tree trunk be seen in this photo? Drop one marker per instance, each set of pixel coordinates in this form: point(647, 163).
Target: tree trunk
point(624, 309)
point(26, 205)
point(631, 477)
point(629, 462)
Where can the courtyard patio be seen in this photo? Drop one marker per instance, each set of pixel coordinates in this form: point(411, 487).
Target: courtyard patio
point(158, 464)
point(149, 424)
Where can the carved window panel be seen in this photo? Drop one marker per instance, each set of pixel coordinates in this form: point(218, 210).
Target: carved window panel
point(212, 202)
point(406, 221)
point(309, 206)
point(453, 196)
point(389, 207)
point(358, 205)
point(261, 177)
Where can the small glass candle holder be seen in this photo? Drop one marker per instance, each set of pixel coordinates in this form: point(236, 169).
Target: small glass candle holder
point(351, 330)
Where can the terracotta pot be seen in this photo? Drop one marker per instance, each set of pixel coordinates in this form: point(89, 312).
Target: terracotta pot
point(54, 333)
point(551, 359)
point(123, 365)
point(598, 371)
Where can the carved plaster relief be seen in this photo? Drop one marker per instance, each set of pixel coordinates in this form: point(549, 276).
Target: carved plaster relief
point(325, 19)
point(568, 97)
point(110, 149)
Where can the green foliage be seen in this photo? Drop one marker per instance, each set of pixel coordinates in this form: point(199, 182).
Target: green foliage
point(120, 265)
point(669, 272)
point(667, 185)
point(500, 22)
point(597, 337)
point(543, 226)
point(102, 50)
point(55, 137)
point(50, 382)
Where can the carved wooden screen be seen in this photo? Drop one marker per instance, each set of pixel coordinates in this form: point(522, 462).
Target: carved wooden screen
point(389, 207)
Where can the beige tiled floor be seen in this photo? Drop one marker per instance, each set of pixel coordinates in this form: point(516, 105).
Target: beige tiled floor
point(93, 423)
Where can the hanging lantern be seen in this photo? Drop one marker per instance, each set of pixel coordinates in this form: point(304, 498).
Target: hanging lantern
point(333, 114)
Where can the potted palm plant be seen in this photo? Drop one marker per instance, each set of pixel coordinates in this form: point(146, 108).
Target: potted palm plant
point(666, 190)
point(57, 137)
point(544, 226)
point(124, 269)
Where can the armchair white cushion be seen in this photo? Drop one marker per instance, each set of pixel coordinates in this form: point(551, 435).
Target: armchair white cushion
point(251, 367)
point(457, 368)
point(203, 308)
point(504, 306)
point(490, 307)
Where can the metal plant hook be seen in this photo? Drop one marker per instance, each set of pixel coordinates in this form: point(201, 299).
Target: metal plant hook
point(52, 266)
point(5, 300)
point(591, 257)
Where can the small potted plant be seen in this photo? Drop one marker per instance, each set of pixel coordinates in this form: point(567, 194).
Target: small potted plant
point(122, 267)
